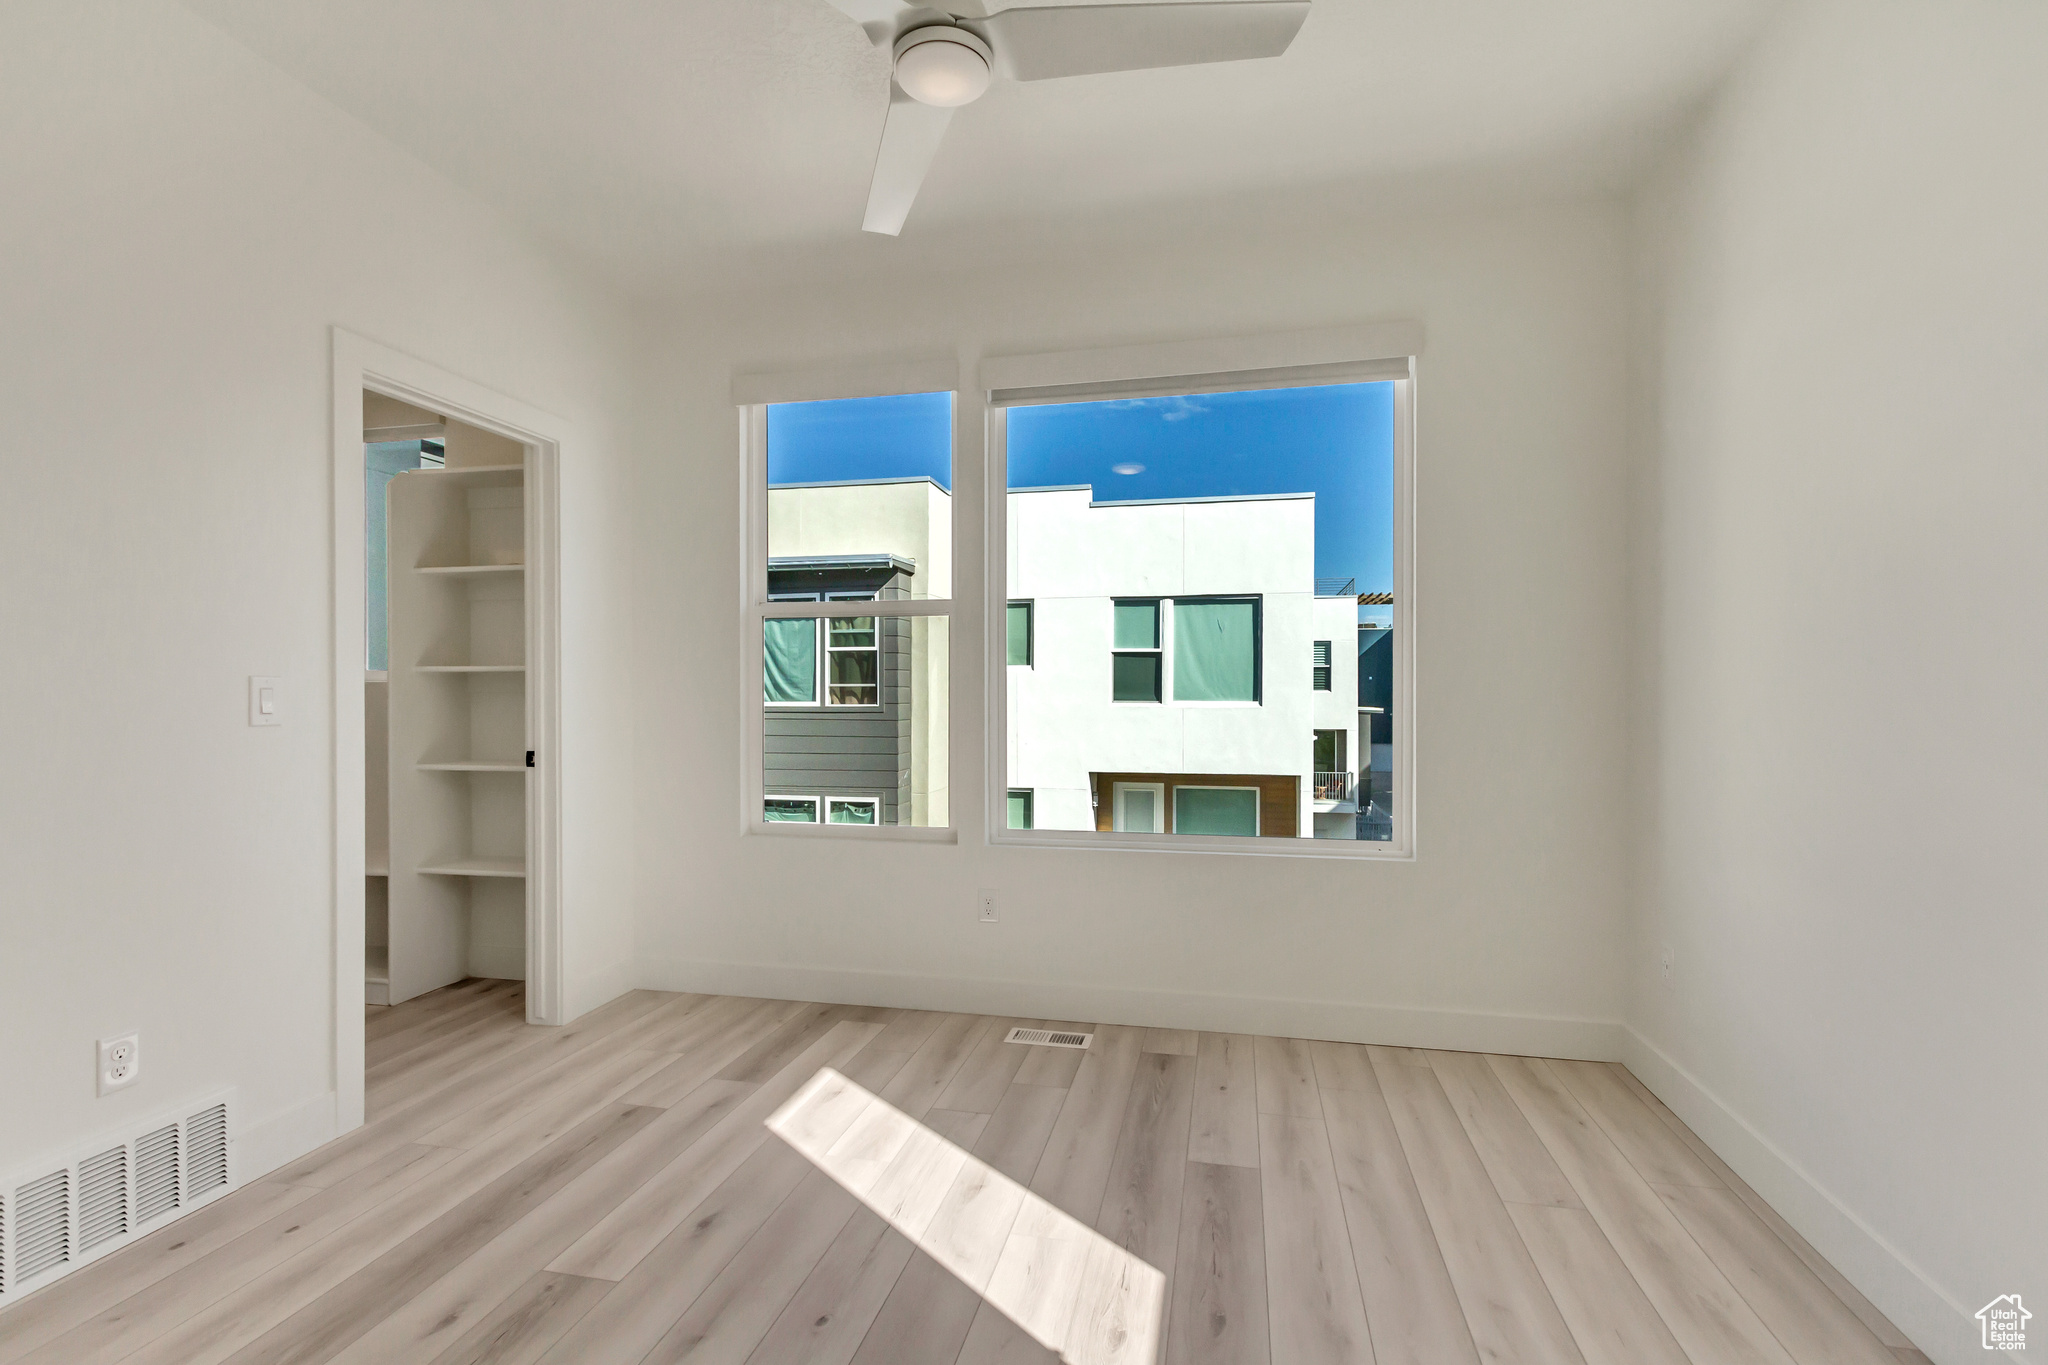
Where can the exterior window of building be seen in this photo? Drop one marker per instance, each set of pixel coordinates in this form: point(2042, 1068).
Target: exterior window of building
point(789, 651)
point(849, 571)
point(853, 661)
point(1192, 532)
point(842, 810)
point(1216, 810)
point(1215, 651)
point(1137, 663)
point(1140, 807)
point(1017, 624)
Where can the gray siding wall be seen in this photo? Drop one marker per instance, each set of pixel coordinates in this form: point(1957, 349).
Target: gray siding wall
point(849, 751)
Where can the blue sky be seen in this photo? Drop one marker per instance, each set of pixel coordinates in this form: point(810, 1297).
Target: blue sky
point(1336, 441)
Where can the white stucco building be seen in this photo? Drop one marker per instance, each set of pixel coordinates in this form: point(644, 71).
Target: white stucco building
point(1171, 668)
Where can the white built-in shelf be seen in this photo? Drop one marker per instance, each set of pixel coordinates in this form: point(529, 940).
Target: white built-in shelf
point(472, 668)
point(469, 569)
point(481, 475)
point(475, 765)
point(477, 867)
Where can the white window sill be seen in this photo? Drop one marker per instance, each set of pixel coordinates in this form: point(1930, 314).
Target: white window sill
point(888, 834)
point(1241, 845)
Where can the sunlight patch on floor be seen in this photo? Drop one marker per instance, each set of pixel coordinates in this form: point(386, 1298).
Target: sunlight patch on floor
point(1070, 1288)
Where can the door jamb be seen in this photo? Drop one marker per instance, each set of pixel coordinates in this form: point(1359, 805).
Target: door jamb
point(361, 364)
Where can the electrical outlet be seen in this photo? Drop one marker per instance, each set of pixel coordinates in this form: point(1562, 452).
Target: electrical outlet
point(988, 907)
point(1665, 962)
point(120, 1062)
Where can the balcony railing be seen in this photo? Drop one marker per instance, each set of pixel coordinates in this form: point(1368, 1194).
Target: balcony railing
point(1333, 786)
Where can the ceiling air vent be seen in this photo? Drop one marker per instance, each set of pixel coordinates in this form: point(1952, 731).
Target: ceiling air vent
point(102, 1197)
point(1042, 1037)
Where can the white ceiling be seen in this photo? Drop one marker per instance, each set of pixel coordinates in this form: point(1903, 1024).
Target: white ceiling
point(682, 144)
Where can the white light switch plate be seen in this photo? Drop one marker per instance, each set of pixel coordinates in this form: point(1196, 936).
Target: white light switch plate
point(264, 703)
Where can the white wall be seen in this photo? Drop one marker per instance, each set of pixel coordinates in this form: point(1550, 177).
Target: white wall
point(1506, 931)
point(1844, 577)
point(182, 226)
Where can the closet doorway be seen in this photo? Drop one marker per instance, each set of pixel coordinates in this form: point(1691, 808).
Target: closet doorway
point(446, 628)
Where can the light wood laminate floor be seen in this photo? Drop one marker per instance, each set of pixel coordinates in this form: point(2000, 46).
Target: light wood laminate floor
point(607, 1192)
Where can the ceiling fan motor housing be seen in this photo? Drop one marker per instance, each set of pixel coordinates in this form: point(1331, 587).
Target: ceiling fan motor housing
point(943, 65)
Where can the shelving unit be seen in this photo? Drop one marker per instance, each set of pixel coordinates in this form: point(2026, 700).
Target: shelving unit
point(458, 648)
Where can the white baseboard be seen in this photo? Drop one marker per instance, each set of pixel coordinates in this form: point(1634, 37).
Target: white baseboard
point(1596, 1040)
point(1938, 1324)
point(269, 1143)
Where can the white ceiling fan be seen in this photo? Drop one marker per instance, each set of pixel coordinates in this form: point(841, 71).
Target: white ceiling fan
point(947, 52)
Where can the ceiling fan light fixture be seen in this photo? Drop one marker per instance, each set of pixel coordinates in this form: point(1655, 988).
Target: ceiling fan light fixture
point(943, 66)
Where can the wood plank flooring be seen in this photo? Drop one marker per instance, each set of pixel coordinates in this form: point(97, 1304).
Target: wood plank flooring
point(607, 1194)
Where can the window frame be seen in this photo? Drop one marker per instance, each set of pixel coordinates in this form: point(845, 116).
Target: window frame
point(826, 649)
point(1156, 652)
point(817, 808)
point(1169, 679)
point(873, 803)
point(1116, 807)
point(1258, 801)
point(1327, 668)
point(1030, 605)
point(752, 395)
point(1386, 352)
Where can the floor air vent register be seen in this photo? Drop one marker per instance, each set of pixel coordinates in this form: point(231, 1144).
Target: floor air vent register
point(59, 1215)
point(1040, 1037)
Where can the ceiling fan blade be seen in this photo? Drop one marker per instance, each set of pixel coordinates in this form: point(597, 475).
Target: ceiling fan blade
point(910, 139)
point(882, 20)
point(1034, 44)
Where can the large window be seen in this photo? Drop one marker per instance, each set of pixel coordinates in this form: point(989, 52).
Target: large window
point(1171, 541)
point(1215, 651)
point(850, 502)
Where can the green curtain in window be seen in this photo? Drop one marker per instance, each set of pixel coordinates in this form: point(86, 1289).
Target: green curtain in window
point(789, 650)
point(1137, 625)
point(1020, 632)
point(785, 810)
point(1215, 810)
point(1020, 810)
point(1215, 651)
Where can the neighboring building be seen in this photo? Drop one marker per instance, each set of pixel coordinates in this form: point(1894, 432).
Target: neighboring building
point(1376, 718)
point(1174, 666)
point(1173, 670)
point(857, 715)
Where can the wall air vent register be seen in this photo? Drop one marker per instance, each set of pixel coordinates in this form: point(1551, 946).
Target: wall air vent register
point(58, 1215)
